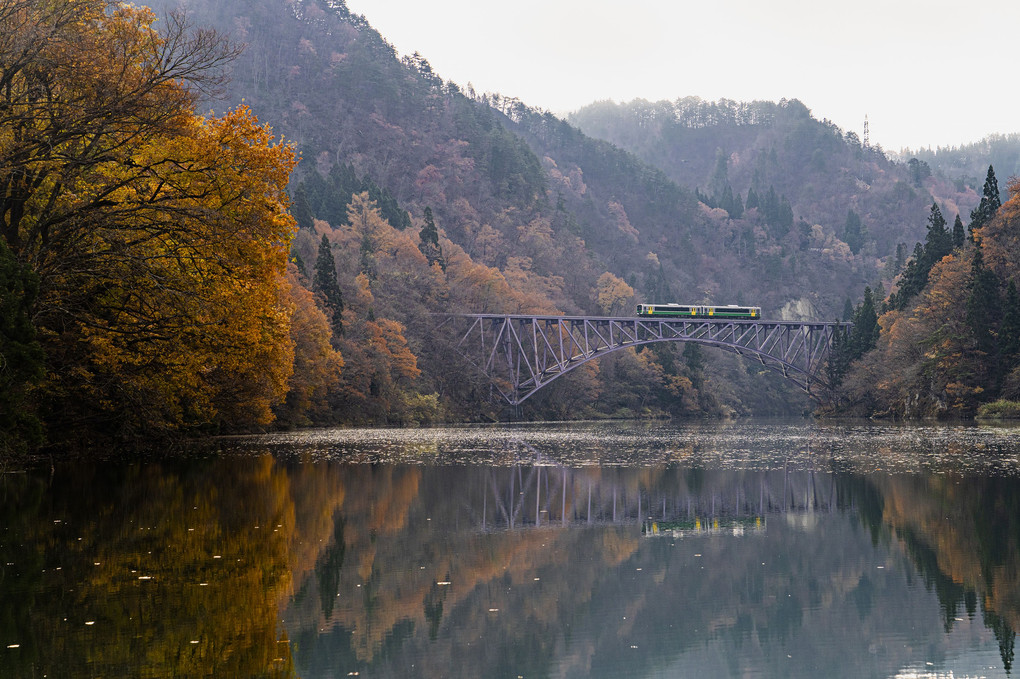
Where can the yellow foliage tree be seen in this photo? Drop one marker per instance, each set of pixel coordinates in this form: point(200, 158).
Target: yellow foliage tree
point(159, 236)
point(612, 294)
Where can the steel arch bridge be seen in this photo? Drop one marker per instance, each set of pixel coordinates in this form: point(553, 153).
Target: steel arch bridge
point(520, 354)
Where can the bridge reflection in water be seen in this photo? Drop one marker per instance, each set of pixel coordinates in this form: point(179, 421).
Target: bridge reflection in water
point(660, 500)
point(520, 354)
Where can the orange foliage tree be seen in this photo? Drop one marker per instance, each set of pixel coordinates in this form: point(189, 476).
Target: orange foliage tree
point(317, 365)
point(159, 237)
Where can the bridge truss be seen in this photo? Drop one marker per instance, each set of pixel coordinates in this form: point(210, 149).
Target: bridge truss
point(520, 354)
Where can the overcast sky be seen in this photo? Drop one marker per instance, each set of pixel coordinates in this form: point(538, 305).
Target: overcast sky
point(925, 72)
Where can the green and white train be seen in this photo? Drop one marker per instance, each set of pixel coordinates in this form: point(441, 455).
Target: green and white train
point(699, 311)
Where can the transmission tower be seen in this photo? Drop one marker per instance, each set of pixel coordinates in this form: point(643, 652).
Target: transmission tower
point(867, 136)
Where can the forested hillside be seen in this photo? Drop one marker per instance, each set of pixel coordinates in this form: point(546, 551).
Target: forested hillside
point(946, 342)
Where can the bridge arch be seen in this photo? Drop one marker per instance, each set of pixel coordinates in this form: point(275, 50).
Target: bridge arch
point(520, 354)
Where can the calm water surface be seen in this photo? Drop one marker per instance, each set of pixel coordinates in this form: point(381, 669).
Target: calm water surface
point(599, 550)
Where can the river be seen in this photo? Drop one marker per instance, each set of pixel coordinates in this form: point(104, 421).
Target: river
point(741, 549)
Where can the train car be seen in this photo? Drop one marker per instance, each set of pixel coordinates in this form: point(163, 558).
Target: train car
point(734, 311)
point(698, 311)
point(685, 310)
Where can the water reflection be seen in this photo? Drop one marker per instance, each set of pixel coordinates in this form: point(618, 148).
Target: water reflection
point(747, 551)
point(145, 570)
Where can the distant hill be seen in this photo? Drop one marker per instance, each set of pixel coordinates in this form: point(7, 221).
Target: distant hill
point(823, 171)
point(969, 163)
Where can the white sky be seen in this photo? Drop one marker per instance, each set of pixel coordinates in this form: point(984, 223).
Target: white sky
point(925, 72)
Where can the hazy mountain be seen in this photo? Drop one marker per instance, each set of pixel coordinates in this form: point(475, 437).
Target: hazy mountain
point(822, 170)
point(968, 163)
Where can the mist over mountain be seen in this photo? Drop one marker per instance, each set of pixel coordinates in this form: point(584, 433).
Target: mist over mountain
point(822, 170)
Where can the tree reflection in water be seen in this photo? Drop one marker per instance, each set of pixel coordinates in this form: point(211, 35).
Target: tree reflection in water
point(522, 569)
point(222, 566)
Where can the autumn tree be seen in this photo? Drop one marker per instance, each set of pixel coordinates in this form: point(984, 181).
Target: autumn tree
point(383, 275)
point(317, 365)
point(612, 294)
point(158, 237)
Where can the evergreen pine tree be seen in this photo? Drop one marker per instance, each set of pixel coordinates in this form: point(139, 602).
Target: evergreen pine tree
point(983, 305)
point(1005, 635)
point(1009, 330)
point(848, 310)
point(695, 360)
point(300, 208)
point(853, 232)
point(939, 241)
point(959, 236)
point(913, 279)
point(770, 206)
point(299, 263)
point(989, 205)
point(726, 202)
point(919, 170)
point(849, 344)
point(864, 335)
point(937, 244)
point(658, 288)
point(326, 285)
point(428, 241)
point(720, 179)
point(990, 191)
point(752, 199)
point(839, 356)
point(901, 257)
point(738, 207)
